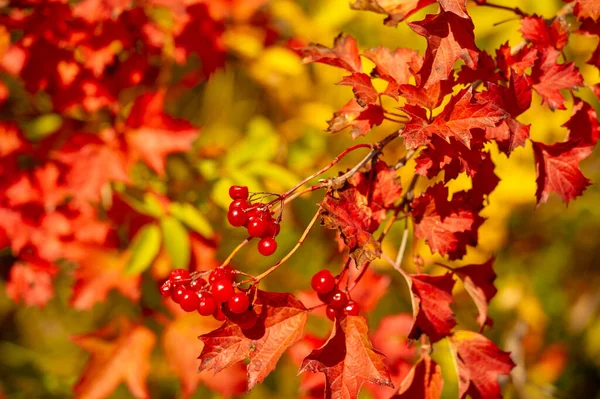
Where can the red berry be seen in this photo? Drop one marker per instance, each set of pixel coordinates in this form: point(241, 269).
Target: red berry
point(267, 246)
point(351, 308)
point(197, 284)
point(257, 227)
point(240, 204)
point(247, 320)
point(238, 192)
point(165, 289)
point(238, 303)
point(178, 275)
point(218, 313)
point(177, 293)
point(323, 281)
point(222, 290)
point(236, 217)
point(331, 312)
point(221, 273)
point(274, 229)
point(189, 301)
point(207, 304)
point(338, 299)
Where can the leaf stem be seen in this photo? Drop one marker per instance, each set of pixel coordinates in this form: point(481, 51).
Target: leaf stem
point(235, 251)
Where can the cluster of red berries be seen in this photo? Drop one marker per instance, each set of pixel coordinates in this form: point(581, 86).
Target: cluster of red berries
point(323, 282)
point(255, 217)
point(217, 296)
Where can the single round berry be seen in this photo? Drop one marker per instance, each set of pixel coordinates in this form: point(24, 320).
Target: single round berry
point(257, 227)
point(165, 289)
point(351, 308)
point(189, 301)
point(178, 275)
point(177, 293)
point(238, 303)
point(221, 273)
point(218, 313)
point(274, 229)
point(207, 304)
point(267, 246)
point(247, 320)
point(236, 217)
point(240, 204)
point(238, 192)
point(197, 284)
point(323, 281)
point(331, 312)
point(338, 299)
point(222, 290)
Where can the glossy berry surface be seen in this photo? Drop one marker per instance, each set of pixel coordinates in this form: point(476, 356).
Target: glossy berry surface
point(218, 313)
point(238, 192)
point(221, 273)
point(351, 308)
point(274, 229)
point(197, 284)
point(238, 303)
point(177, 293)
point(337, 299)
point(331, 312)
point(323, 282)
point(178, 275)
point(189, 301)
point(207, 305)
point(165, 289)
point(222, 290)
point(240, 204)
point(267, 246)
point(257, 227)
point(236, 217)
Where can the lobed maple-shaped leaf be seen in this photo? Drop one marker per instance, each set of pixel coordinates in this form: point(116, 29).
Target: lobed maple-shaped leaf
point(281, 323)
point(537, 31)
point(479, 283)
point(479, 363)
point(348, 360)
point(449, 38)
point(461, 114)
point(344, 54)
point(396, 10)
point(583, 126)
point(380, 185)
point(353, 115)
point(117, 356)
point(362, 87)
point(590, 27)
point(395, 67)
point(424, 381)
point(429, 97)
point(151, 134)
point(484, 72)
point(549, 78)
point(431, 297)
point(519, 62)
point(587, 9)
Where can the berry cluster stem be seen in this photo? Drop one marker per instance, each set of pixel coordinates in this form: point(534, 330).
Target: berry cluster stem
point(235, 251)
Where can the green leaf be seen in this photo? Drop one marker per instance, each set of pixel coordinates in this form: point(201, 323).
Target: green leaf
point(148, 205)
point(144, 248)
point(176, 241)
point(191, 217)
point(42, 126)
point(260, 144)
point(274, 172)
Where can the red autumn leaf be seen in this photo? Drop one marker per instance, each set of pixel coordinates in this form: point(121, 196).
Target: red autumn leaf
point(536, 31)
point(344, 54)
point(100, 270)
point(519, 62)
point(181, 347)
point(348, 212)
point(380, 185)
point(348, 360)
point(583, 126)
point(479, 283)
point(151, 134)
point(587, 9)
point(590, 27)
point(31, 281)
point(397, 10)
point(281, 323)
point(360, 119)
point(395, 67)
point(311, 383)
point(485, 71)
point(429, 97)
point(431, 298)
point(462, 114)
point(362, 87)
point(118, 355)
point(549, 78)
point(424, 381)
point(479, 363)
point(449, 38)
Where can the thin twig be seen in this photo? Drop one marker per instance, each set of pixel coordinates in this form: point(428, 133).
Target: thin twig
point(235, 251)
point(402, 249)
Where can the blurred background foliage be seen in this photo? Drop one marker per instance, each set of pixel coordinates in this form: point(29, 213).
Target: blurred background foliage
point(263, 120)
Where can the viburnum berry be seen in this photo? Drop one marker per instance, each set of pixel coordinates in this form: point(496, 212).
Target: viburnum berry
point(237, 217)
point(240, 204)
point(238, 303)
point(197, 284)
point(337, 299)
point(221, 273)
point(178, 275)
point(267, 246)
point(189, 301)
point(273, 229)
point(218, 313)
point(207, 304)
point(331, 312)
point(177, 293)
point(165, 289)
point(222, 290)
point(238, 192)
point(323, 281)
point(351, 308)
point(247, 320)
point(257, 227)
